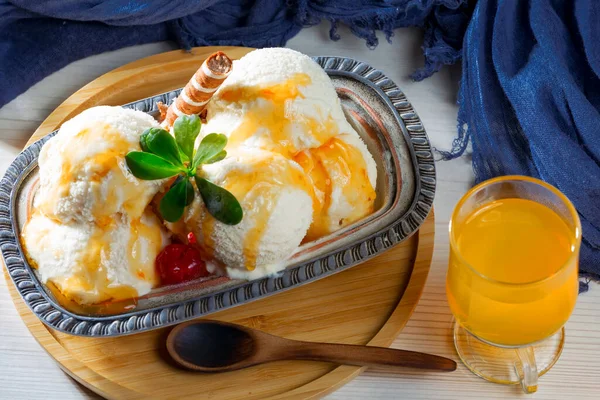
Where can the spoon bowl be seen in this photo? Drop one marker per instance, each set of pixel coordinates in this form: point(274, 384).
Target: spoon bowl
point(211, 346)
point(214, 346)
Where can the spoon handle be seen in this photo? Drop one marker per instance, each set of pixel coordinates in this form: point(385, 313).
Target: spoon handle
point(368, 356)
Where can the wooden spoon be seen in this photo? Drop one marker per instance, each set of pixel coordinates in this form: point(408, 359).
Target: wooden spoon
point(214, 346)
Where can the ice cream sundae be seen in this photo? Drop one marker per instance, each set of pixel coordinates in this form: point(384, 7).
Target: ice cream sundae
point(126, 203)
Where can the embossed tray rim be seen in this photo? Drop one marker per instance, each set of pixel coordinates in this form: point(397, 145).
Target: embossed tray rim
point(54, 316)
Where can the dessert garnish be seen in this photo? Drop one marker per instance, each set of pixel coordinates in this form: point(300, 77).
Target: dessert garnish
point(164, 156)
point(298, 168)
point(197, 93)
point(178, 263)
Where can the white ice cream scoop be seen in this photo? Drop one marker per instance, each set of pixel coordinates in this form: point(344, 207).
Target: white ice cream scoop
point(279, 100)
point(276, 197)
point(90, 262)
point(83, 174)
point(343, 174)
point(282, 101)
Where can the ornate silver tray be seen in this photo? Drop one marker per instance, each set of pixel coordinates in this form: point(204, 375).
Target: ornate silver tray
point(383, 117)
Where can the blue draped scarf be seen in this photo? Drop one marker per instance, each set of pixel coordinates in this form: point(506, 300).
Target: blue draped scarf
point(40, 37)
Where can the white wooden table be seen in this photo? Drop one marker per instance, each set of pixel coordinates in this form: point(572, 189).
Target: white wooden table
point(27, 372)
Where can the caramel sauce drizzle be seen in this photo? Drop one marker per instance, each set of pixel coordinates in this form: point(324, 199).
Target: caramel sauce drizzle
point(333, 162)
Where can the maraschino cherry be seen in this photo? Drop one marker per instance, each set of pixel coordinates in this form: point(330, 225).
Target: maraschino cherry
point(178, 263)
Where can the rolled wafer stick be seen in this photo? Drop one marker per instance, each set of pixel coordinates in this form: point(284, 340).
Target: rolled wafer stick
point(199, 90)
point(162, 108)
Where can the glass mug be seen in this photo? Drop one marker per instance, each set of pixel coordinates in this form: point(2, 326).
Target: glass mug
point(512, 279)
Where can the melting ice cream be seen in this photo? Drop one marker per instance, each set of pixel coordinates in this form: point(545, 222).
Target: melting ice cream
point(297, 167)
point(91, 233)
point(282, 103)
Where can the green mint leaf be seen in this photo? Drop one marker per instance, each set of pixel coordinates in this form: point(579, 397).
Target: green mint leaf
point(177, 198)
point(218, 157)
point(211, 145)
point(183, 156)
point(187, 128)
point(143, 138)
point(148, 166)
point(161, 143)
point(220, 203)
point(190, 192)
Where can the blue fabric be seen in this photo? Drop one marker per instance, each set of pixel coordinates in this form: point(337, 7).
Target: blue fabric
point(40, 37)
point(530, 100)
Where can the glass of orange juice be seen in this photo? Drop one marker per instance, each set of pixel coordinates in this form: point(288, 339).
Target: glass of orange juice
point(512, 277)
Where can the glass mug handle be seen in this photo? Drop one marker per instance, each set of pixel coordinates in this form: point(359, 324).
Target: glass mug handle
point(526, 369)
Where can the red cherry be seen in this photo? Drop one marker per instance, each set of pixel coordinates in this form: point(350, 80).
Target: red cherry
point(178, 263)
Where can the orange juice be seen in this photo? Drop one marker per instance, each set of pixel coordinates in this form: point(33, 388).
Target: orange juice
point(512, 277)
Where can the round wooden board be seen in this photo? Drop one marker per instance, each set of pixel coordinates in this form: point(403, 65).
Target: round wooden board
point(367, 304)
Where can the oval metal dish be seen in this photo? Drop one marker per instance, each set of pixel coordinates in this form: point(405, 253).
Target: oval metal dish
point(383, 117)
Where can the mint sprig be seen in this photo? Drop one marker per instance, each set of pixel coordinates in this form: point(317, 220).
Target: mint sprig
point(186, 131)
point(164, 156)
point(210, 149)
